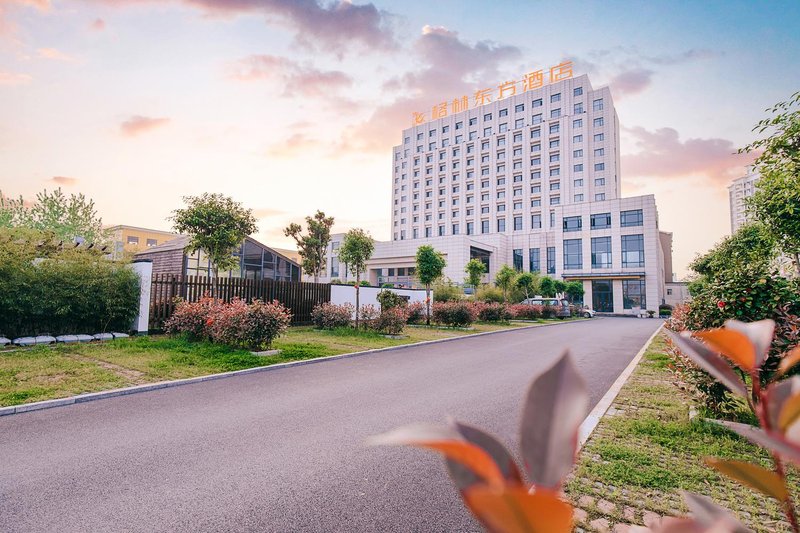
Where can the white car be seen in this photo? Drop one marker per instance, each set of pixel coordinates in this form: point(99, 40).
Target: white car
point(587, 313)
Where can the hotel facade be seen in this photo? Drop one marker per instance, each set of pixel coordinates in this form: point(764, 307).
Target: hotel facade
point(738, 191)
point(531, 181)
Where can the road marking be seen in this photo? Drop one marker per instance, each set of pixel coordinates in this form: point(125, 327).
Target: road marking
point(590, 422)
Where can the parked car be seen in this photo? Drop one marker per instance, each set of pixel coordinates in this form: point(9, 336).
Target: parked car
point(585, 312)
point(561, 306)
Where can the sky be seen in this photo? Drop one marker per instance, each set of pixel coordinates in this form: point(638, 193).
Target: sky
point(290, 106)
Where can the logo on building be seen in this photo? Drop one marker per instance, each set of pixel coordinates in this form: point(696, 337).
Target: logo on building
point(531, 80)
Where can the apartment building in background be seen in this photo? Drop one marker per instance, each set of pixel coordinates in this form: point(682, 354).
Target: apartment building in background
point(132, 239)
point(738, 191)
point(532, 181)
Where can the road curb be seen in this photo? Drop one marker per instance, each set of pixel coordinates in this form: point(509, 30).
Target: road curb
point(593, 419)
point(93, 396)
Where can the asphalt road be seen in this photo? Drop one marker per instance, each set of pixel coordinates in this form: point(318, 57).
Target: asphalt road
point(283, 450)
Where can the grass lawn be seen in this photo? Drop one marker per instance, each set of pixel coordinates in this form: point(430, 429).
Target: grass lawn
point(43, 373)
point(646, 449)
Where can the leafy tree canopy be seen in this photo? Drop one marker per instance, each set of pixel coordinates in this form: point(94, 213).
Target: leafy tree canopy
point(475, 270)
point(312, 246)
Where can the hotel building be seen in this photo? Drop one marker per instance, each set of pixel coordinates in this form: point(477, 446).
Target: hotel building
point(531, 181)
point(738, 191)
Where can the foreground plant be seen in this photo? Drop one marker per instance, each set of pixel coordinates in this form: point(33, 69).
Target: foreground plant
point(507, 498)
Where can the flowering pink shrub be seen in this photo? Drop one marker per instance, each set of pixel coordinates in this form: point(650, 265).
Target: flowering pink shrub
point(391, 321)
point(329, 316)
point(549, 311)
point(194, 318)
point(369, 313)
point(526, 312)
point(415, 313)
point(252, 327)
point(491, 311)
point(455, 314)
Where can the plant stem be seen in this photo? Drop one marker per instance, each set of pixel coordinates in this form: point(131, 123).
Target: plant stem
point(761, 413)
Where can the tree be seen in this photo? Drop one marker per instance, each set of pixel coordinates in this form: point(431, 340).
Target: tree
point(475, 270)
point(355, 251)
point(776, 201)
point(313, 246)
point(547, 287)
point(527, 281)
point(574, 290)
point(559, 286)
point(505, 279)
point(430, 267)
point(216, 224)
point(66, 217)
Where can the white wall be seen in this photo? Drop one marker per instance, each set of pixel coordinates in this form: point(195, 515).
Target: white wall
point(342, 294)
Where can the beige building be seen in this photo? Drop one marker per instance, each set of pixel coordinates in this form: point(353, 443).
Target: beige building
point(531, 181)
point(132, 239)
point(738, 191)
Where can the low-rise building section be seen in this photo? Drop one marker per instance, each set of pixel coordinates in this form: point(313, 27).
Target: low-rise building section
point(132, 239)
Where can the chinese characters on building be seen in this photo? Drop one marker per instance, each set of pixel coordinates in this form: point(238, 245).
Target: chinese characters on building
point(531, 80)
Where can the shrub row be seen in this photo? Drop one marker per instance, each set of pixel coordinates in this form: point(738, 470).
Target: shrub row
point(391, 320)
point(237, 324)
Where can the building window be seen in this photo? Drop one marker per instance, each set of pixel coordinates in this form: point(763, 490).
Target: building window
point(631, 218)
point(555, 200)
point(133, 240)
point(599, 197)
point(577, 91)
point(551, 259)
point(600, 182)
point(555, 113)
point(473, 121)
point(536, 221)
point(487, 117)
point(470, 228)
point(601, 221)
point(578, 198)
point(578, 182)
point(633, 291)
point(428, 231)
point(441, 231)
point(633, 250)
point(335, 266)
point(151, 242)
point(501, 225)
point(599, 137)
point(573, 223)
point(601, 252)
point(554, 128)
point(537, 103)
point(577, 109)
point(533, 260)
point(518, 260)
point(598, 122)
point(578, 167)
point(484, 226)
point(518, 225)
point(577, 139)
point(455, 229)
point(573, 254)
point(597, 105)
point(555, 98)
point(519, 108)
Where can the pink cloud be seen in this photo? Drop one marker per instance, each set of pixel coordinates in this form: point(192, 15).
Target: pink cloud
point(14, 78)
point(8, 28)
point(298, 79)
point(452, 68)
point(52, 53)
point(63, 180)
point(631, 82)
point(267, 212)
point(138, 124)
point(97, 25)
point(661, 154)
point(294, 146)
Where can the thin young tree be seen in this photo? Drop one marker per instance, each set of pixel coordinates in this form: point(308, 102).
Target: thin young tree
point(475, 270)
point(505, 279)
point(527, 282)
point(313, 246)
point(355, 251)
point(430, 267)
point(547, 287)
point(216, 224)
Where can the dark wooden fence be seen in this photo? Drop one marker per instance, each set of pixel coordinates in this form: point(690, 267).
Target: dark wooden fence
point(299, 297)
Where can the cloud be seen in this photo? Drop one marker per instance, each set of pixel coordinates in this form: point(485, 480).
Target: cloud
point(450, 68)
point(63, 180)
point(631, 81)
point(97, 25)
point(52, 53)
point(296, 145)
point(7, 28)
point(693, 54)
point(661, 154)
point(14, 78)
point(298, 79)
point(138, 124)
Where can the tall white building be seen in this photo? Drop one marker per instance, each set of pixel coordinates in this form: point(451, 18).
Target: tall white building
point(530, 181)
point(741, 189)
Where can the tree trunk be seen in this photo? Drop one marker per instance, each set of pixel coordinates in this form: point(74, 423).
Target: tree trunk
point(215, 282)
point(797, 262)
point(358, 291)
point(427, 304)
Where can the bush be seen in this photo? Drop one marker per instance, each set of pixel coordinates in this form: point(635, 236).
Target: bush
point(492, 311)
point(65, 293)
point(389, 299)
point(526, 312)
point(391, 321)
point(455, 314)
point(415, 313)
point(194, 318)
point(251, 327)
point(488, 293)
point(369, 313)
point(447, 292)
point(330, 316)
point(549, 311)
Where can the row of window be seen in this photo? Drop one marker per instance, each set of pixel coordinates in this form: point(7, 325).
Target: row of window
point(553, 129)
point(633, 217)
point(632, 247)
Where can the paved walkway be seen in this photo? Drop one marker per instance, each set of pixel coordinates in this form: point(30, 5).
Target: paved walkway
point(282, 450)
